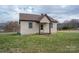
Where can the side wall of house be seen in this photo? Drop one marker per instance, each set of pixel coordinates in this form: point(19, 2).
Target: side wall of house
point(24, 28)
point(54, 28)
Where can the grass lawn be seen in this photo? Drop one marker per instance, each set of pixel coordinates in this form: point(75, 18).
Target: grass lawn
point(59, 42)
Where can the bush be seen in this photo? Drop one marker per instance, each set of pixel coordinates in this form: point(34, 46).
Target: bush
point(66, 28)
point(18, 33)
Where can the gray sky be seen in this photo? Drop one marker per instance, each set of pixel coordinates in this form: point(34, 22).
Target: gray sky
point(59, 12)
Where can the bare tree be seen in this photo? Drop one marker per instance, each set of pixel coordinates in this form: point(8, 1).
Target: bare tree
point(12, 26)
point(72, 24)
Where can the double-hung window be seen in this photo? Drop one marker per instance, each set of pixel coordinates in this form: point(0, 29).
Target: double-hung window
point(30, 25)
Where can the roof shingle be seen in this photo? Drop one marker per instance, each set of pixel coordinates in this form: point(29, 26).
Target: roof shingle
point(33, 17)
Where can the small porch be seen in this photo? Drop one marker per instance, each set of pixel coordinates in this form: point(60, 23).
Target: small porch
point(44, 28)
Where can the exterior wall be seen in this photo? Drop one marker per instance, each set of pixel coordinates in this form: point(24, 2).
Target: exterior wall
point(45, 20)
point(46, 25)
point(24, 28)
point(54, 29)
point(45, 28)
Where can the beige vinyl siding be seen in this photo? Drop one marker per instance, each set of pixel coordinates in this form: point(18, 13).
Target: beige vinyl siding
point(46, 25)
point(54, 28)
point(45, 20)
point(46, 28)
point(24, 28)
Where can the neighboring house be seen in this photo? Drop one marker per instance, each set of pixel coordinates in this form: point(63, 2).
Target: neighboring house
point(32, 23)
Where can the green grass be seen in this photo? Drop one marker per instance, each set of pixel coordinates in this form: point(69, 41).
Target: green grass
point(59, 42)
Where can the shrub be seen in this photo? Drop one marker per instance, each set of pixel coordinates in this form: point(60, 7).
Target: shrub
point(66, 28)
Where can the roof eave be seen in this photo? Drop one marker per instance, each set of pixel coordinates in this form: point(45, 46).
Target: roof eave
point(29, 20)
point(55, 21)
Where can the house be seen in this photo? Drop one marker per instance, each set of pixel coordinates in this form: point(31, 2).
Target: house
point(32, 23)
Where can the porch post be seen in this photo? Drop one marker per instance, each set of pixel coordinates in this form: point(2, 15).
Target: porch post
point(50, 28)
point(39, 27)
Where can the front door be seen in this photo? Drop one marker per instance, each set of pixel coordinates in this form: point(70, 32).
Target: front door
point(42, 28)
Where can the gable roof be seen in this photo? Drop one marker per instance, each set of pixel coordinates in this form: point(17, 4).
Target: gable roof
point(34, 17)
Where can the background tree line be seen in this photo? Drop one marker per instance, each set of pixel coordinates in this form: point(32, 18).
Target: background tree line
point(10, 26)
point(66, 25)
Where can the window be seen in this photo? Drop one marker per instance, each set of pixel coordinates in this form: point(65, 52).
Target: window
point(30, 24)
point(51, 25)
point(41, 26)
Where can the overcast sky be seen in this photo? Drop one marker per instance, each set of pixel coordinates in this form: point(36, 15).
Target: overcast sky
point(59, 12)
